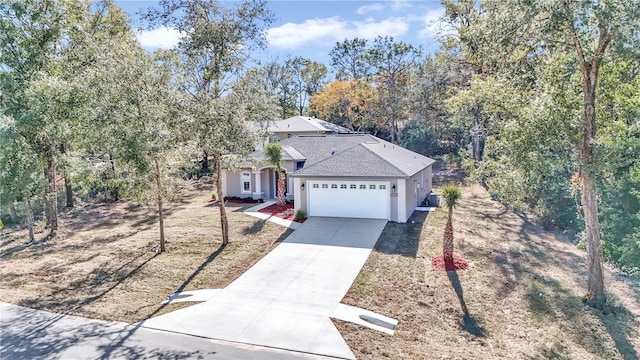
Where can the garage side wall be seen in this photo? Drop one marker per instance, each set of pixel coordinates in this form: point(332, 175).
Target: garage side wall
point(417, 188)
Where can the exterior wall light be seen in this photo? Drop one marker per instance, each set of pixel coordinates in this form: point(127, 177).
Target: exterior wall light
point(302, 186)
point(393, 188)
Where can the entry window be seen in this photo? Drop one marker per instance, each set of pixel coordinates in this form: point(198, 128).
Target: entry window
point(372, 187)
point(315, 186)
point(246, 182)
point(363, 187)
point(325, 186)
point(382, 187)
point(352, 186)
point(343, 186)
point(334, 186)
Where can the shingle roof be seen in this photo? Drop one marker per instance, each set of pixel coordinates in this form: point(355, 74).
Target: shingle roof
point(354, 155)
point(305, 124)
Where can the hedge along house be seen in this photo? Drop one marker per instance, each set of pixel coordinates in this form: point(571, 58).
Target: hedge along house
point(340, 175)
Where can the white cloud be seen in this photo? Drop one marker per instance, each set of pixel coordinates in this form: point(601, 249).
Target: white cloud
point(389, 27)
point(163, 38)
point(362, 10)
point(435, 26)
point(400, 5)
point(292, 35)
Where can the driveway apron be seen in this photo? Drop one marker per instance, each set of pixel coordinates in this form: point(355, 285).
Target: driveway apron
point(285, 300)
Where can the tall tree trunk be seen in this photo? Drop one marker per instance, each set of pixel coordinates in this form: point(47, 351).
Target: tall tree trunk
point(115, 194)
point(595, 282)
point(590, 69)
point(68, 190)
point(447, 242)
point(14, 213)
point(29, 218)
point(224, 223)
point(476, 137)
point(205, 161)
point(159, 201)
point(51, 197)
point(281, 188)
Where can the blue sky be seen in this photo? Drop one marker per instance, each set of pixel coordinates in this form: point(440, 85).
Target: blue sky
point(311, 28)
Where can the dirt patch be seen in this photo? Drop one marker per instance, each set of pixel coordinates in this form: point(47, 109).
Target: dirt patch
point(103, 262)
point(520, 297)
point(456, 263)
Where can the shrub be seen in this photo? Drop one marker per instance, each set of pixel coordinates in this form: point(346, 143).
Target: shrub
point(300, 215)
point(287, 213)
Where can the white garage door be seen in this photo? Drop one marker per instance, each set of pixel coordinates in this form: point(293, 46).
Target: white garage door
point(355, 199)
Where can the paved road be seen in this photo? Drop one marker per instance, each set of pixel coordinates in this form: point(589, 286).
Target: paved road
point(286, 300)
point(32, 334)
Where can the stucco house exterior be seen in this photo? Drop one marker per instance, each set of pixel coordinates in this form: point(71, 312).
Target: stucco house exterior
point(338, 174)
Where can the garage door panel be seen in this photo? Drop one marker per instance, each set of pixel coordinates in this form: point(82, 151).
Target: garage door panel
point(358, 199)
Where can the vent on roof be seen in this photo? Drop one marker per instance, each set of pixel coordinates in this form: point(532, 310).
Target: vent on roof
point(333, 152)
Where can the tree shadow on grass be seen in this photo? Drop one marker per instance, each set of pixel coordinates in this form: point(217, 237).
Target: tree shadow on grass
point(402, 239)
point(468, 322)
point(30, 334)
point(61, 299)
point(108, 351)
point(254, 228)
point(529, 266)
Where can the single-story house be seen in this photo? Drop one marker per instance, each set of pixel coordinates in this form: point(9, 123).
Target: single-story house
point(340, 175)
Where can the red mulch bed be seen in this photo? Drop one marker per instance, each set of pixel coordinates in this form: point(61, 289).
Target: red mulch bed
point(458, 263)
point(232, 201)
point(278, 211)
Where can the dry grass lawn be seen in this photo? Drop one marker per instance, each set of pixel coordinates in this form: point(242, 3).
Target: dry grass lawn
point(103, 263)
point(519, 299)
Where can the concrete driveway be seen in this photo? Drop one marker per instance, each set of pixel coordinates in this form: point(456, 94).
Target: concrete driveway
point(27, 334)
point(286, 299)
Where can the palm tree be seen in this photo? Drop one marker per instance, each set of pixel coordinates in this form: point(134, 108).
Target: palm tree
point(451, 194)
point(273, 153)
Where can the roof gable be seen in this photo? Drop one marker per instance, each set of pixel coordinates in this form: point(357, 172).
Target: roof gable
point(355, 155)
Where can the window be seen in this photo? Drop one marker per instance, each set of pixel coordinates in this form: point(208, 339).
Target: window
point(334, 186)
point(325, 186)
point(315, 186)
point(299, 165)
point(343, 186)
point(372, 187)
point(352, 186)
point(382, 187)
point(363, 187)
point(246, 182)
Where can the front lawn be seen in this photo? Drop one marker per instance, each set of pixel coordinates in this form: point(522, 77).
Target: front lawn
point(103, 264)
point(520, 298)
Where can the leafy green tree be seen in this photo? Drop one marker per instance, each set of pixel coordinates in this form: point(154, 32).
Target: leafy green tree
point(279, 80)
point(437, 77)
point(216, 43)
point(350, 60)
point(44, 49)
point(273, 153)
point(416, 137)
point(307, 77)
point(394, 63)
point(512, 40)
